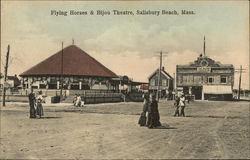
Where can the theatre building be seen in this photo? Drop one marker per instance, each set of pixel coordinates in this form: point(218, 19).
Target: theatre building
point(72, 69)
point(206, 79)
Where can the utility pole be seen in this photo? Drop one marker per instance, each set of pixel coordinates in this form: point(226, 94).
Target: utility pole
point(241, 71)
point(174, 82)
point(204, 47)
point(239, 82)
point(61, 96)
point(5, 74)
point(159, 78)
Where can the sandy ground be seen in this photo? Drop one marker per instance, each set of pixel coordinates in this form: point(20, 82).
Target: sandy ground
point(108, 131)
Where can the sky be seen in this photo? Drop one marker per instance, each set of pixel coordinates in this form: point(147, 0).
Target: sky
point(128, 45)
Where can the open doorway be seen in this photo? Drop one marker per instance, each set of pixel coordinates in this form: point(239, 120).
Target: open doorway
point(197, 92)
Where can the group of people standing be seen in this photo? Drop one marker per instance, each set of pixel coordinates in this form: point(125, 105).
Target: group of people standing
point(180, 106)
point(77, 101)
point(35, 102)
point(150, 116)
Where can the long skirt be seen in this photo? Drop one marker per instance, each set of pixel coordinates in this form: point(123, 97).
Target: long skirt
point(142, 119)
point(153, 120)
point(39, 109)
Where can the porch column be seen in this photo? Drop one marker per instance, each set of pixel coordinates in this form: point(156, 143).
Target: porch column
point(38, 85)
point(190, 90)
point(80, 85)
point(120, 86)
point(57, 85)
point(29, 84)
point(202, 94)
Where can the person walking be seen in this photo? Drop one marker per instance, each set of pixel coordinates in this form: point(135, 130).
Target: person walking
point(153, 113)
point(143, 117)
point(32, 100)
point(182, 105)
point(177, 106)
point(39, 106)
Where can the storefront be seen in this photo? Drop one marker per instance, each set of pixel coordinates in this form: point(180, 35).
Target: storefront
point(206, 79)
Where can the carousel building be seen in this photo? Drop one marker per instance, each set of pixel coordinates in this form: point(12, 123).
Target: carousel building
point(72, 69)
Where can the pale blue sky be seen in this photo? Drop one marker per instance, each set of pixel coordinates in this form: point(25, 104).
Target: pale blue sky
point(127, 44)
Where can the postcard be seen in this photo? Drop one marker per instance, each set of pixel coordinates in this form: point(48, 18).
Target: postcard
point(124, 80)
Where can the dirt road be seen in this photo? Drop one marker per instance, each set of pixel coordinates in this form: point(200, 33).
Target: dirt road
point(210, 130)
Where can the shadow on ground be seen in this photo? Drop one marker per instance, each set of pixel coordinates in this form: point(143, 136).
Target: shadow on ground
point(165, 126)
point(50, 117)
point(213, 116)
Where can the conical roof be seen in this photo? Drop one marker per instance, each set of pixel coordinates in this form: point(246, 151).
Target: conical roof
point(76, 62)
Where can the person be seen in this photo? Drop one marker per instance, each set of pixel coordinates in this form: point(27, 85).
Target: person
point(82, 102)
point(143, 117)
point(153, 113)
point(32, 100)
point(74, 100)
point(79, 102)
point(176, 104)
point(39, 106)
point(182, 105)
point(188, 98)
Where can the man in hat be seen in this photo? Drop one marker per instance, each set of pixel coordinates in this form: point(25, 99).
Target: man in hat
point(182, 105)
point(32, 99)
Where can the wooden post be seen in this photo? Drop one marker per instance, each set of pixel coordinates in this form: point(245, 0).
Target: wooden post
point(5, 74)
point(80, 85)
point(239, 83)
point(159, 78)
point(61, 74)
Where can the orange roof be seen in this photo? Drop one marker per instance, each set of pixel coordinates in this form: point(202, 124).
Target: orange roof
point(76, 62)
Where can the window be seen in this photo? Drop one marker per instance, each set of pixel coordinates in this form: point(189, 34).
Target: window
point(223, 79)
point(210, 80)
point(42, 86)
point(164, 82)
point(152, 82)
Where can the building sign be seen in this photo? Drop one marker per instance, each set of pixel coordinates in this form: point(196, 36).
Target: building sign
point(204, 69)
point(222, 71)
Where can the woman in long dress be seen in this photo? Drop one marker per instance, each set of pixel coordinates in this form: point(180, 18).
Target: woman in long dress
point(39, 106)
point(143, 117)
point(153, 114)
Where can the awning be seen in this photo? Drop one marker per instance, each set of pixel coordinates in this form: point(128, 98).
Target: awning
point(217, 89)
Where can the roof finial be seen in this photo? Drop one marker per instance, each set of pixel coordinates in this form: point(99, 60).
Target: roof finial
point(204, 47)
point(73, 41)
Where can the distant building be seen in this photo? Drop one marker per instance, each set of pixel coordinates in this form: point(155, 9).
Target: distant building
point(206, 79)
point(11, 82)
point(165, 84)
point(127, 84)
